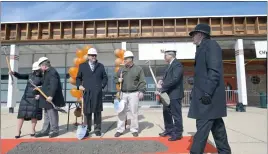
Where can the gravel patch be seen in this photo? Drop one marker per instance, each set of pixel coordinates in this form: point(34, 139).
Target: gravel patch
point(89, 147)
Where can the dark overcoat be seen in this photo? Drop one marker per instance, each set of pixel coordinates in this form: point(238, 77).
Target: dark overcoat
point(208, 78)
point(52, 87)
point(29, 106)
point(93, 82)
point(173, 80)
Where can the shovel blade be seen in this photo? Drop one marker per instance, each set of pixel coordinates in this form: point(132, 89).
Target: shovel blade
point(81, 131)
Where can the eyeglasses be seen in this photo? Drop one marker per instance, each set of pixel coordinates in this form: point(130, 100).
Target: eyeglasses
point(93, 55)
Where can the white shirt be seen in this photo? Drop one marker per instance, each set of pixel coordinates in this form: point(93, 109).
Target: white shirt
point(171, 61)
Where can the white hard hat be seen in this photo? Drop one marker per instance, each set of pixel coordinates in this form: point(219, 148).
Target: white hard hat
point(35, 66)
point(92, 51)
point(42, 59)
point(128, 54)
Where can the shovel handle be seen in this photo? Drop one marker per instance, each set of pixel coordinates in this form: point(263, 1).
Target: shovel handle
point(39, 90)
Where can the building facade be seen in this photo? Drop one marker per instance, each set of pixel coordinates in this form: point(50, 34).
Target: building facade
point(59, 40)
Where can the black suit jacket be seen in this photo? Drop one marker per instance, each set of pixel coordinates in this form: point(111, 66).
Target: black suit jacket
point(208, 79)
point(173, 80)
point(52, 87)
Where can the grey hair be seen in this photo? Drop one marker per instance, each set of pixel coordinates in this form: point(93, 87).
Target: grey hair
point(46, 63)
point(172, 54)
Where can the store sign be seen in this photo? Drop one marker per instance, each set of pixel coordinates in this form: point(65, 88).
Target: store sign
point(155, 51)
point(261, 49)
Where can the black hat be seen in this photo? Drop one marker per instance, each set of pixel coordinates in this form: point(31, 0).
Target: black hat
point(203, 28)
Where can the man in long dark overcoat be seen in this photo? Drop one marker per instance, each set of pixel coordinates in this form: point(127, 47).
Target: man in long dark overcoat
point(92, 78)
point(208, 103)
point(52, 87)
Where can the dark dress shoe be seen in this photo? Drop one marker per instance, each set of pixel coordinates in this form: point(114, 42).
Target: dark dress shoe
point(98, 133)
point(175, 138)
point(52, 135)
point(41, 134)
point(117, 134)
point(135, 134)
point(164, 134)
point(18, 136)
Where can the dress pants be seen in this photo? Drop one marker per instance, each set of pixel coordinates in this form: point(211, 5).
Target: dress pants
point(97, 121)
point(217, 127)
point(51, 121)
point(170, 113)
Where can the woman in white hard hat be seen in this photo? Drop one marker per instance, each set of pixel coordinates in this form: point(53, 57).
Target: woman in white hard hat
point(28, 108)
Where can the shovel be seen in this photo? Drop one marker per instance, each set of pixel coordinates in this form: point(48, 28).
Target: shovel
point(164, 98)
point(44, 95)
point(82, 129)
point(8, 64)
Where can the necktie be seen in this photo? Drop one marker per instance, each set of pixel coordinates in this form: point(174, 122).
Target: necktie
point(92, 67)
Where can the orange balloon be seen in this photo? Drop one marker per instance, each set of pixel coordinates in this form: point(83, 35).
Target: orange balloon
point(116, 69)
point(73, 72)
point(79, 53)
point(116, 52)
point(78, 61)
point(72, 81)
point(85, 57)
point(76, 93)
point(118, 61)
point(120, 54)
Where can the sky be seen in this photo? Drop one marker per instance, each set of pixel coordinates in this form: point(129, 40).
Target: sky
point(40, 11)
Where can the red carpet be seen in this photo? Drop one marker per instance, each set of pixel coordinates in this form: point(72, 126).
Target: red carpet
point(181, 146)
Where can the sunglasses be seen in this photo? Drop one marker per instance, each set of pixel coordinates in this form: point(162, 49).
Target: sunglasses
point(93, 55)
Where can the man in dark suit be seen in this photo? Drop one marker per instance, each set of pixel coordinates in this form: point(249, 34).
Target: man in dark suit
point(92, 78)
point(172, 84)
point(51, 86)
point(208, 103)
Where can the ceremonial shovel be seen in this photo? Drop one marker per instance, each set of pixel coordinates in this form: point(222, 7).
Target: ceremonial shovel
point(164, 98)
point(82, 129)
point(8, 64)
point(44, 95)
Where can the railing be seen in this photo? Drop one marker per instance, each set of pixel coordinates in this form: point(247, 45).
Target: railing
point(231, 97)
point(150, 98)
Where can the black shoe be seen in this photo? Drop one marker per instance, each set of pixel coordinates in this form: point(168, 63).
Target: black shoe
point(32, 135)
point(52, 135)
point(18, 136)
point(117, 134)
point(135, 134)
point(164, 134)
point(175, 138)
point(41, 134)
point(98, 133)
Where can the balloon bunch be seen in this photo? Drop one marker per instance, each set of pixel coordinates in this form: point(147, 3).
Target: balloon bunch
point(119, 61)
point(81, 57)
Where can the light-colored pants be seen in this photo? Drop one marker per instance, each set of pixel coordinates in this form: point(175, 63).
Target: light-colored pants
point(131, 106)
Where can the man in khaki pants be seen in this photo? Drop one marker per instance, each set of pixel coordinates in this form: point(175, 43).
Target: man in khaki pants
point(133, 88)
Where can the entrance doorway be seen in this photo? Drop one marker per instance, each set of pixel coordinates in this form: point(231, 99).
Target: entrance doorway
point(231, 90)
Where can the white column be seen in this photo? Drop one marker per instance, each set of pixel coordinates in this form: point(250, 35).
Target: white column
point(12, 92)
point(124, 46)
point(240, 72)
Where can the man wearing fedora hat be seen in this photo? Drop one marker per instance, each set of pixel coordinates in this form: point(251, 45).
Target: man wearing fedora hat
point(208, 104)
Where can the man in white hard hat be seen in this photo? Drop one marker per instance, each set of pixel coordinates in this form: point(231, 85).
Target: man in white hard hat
point(92, 78)
point(52, 88)
point(133, 89)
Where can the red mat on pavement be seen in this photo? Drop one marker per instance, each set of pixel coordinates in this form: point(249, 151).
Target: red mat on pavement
point(177, 147)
